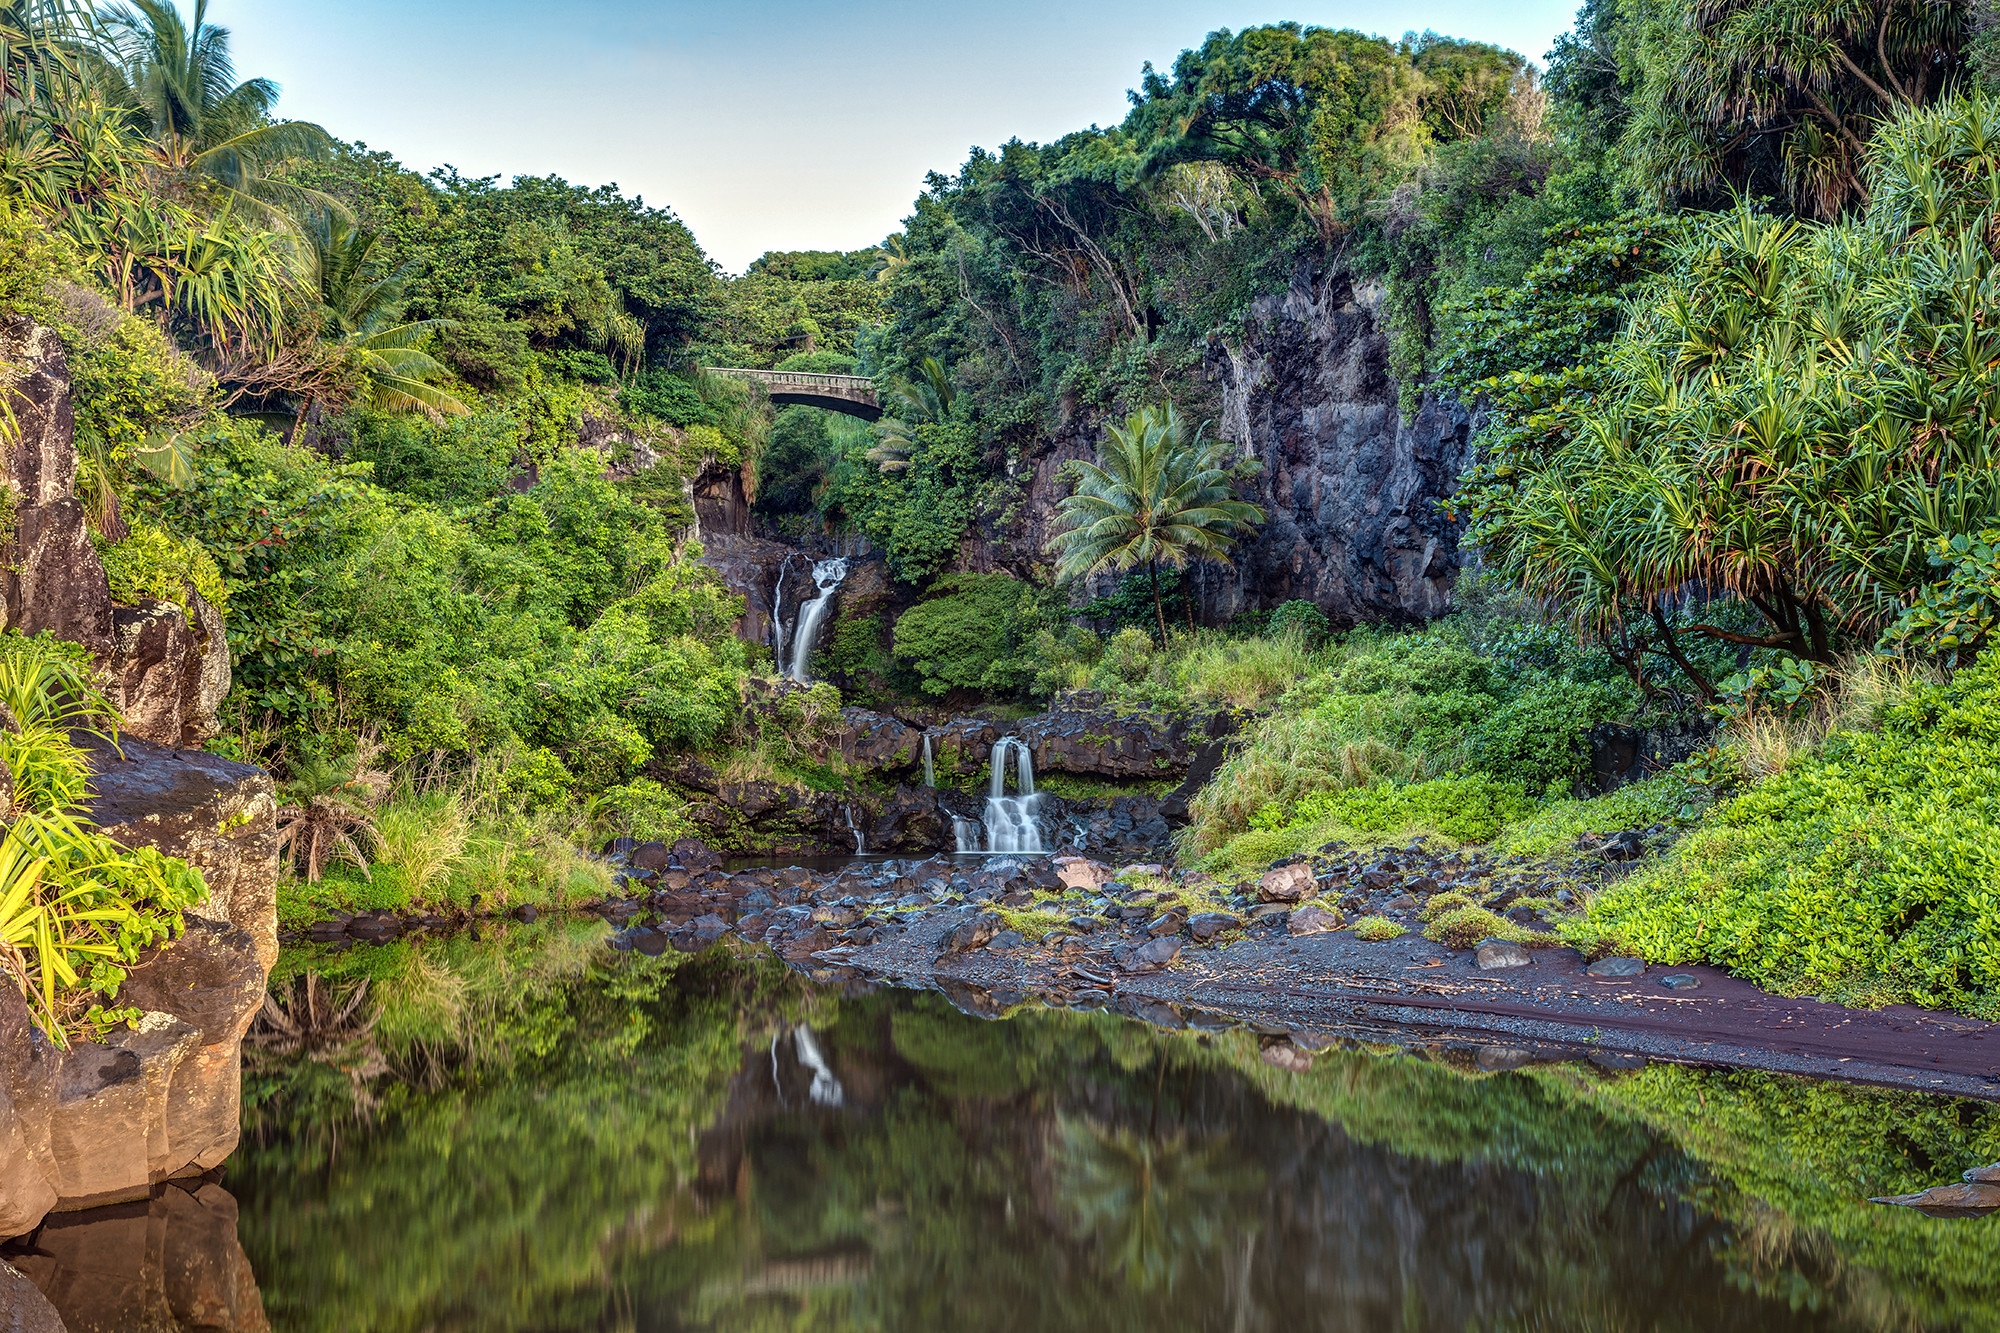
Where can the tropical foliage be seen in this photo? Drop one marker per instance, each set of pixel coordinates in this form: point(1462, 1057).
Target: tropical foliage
point(1156, 495)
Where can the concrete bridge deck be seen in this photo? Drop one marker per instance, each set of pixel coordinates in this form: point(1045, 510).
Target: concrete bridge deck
point(851, 394)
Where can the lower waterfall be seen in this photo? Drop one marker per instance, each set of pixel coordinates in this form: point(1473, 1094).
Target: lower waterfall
point(1011, 823)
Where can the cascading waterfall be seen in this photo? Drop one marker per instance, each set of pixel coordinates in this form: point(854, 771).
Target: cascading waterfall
point(778, 633)
point(930, 773)
point(1011, 824)
point(860, 843)
point(827, 576)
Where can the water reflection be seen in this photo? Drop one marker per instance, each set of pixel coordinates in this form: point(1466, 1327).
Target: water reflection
point(532, 1132)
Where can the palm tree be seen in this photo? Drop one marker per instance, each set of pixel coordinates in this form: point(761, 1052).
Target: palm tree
point(362, 307)
point(326, 812)
point(178, 83)
point(1153, 495)
point(928, 400)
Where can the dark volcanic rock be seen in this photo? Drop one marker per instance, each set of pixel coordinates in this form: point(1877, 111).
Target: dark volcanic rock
point(1351, 490)
point(218, 815)
point(1206, 926)
point(1617, 967)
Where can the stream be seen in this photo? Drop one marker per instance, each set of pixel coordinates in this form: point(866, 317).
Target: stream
point(529, 1131)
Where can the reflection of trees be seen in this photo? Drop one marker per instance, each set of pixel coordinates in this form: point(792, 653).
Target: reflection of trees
point(1152, 1203)
point(609, 1154)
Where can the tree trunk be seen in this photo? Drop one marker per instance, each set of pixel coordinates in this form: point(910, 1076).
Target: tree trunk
point(1159, 611)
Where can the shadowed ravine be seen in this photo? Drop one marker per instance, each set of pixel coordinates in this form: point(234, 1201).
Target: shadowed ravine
point(531, 1133)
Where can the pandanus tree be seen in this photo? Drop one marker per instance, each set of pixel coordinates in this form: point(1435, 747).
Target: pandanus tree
point(1156, 495)
point(1795, 419)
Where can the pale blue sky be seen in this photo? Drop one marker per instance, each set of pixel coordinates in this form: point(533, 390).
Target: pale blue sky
point(765, 124)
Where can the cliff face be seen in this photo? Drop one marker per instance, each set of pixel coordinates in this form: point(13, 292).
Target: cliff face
point(1351, 491)
point(110, 1122)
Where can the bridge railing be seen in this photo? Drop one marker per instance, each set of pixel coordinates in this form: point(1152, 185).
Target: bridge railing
point(799, 379)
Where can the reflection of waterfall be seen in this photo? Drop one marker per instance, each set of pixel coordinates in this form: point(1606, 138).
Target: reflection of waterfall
point(827, 575)
point(930, 773)
point(1011, 824)
point(825, 1087)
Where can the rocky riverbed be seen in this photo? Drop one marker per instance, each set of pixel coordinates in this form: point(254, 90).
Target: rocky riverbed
point(1314, 952)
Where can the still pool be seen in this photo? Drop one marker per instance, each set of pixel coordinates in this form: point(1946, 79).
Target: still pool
point(531, 1132)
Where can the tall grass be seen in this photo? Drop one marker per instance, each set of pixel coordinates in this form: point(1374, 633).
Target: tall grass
point(423, 836)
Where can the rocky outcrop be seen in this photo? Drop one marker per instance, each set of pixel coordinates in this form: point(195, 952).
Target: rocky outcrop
point(170, 1263)
point(169, 678)
point(108, 1121)
point(105, 1122)
point(171, 675)
point(23, 1308)
point(1352, 491)
point(217, 815)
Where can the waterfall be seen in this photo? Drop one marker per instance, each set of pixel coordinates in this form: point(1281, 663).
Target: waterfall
point(827, 575)
point(825, 1087)
point(930, 773)
point(860, 843)
point(778, 616)
point(966, 833)
point(1011, 824)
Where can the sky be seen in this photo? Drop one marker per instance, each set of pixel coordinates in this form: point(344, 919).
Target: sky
point(765, 124)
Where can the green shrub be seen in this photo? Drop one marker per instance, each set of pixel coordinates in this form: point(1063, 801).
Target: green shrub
point(1557, 824)
point(421, 836)
point(1129, 654)
point(641, 809)
point(968, 634)
point(1465, 927)
point(1376, 929)
point(152, 563)
point(1468, 807)
point(1539, 738)
point(1300, 618)
point(1864, 872)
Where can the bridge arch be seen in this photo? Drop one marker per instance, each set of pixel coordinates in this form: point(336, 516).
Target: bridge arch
point(853, 395)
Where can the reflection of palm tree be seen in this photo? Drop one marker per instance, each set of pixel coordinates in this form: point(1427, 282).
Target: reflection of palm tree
point(1152, 1203)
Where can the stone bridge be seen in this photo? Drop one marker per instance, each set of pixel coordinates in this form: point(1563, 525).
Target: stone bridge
point(852, 394)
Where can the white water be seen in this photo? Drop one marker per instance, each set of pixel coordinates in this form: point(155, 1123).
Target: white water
point(827, 575)
point(826, 1089)
point(778, 632)
point(1011, 824)
point(930, 773)
point(860, 843)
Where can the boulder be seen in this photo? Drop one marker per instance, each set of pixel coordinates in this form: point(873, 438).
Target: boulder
point(910, 820)
point(1285, 884)
point(1971, 1199)
point(1283, 1055)
point(28, 1064)
point(877, 742)
point(1493, 955)
point(218, 815)
point(151, 652)
point(1312, 919)
point(109, 1131)
point(1616, 966)
point(1153, 955)
point(53, 579)
point(1079, 872)
point(209, 978)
